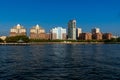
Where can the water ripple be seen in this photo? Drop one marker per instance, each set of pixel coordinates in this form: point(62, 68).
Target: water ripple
point(60, 62)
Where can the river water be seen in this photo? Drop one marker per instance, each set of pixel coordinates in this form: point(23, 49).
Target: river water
point(60, 62)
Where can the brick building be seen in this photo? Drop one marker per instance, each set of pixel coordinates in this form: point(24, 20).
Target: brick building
point(107, 36)
point(37, 32)
point(97, 36)
point(85, 36)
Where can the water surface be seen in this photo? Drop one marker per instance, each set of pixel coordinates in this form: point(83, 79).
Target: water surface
point(60, 62)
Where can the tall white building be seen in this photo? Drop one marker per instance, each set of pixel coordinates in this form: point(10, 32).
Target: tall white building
point(95, 30)
point(78, 32)
point(17, 30)
point(72, 30)
point(58, 33)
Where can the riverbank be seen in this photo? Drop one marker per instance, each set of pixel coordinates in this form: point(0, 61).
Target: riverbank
point(15, 44)
point(38, 43)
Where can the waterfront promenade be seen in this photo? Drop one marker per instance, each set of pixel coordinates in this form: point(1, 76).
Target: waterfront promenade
point(38, 43)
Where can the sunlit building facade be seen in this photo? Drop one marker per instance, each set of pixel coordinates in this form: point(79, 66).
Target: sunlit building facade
point(78, 32)
point(3, 37)
point(107, 36)
point(85, 36)
point(95, 30)
point(17, 30)
point(58, 33)
point(37, 32)
point(97, 36)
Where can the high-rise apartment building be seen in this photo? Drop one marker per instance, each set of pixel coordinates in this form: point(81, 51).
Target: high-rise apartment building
point(96, 34)
point(17, 30)
point(58, 33)
point(95, 30)
point(72, 30)
point(78, 32)
point(37, 32)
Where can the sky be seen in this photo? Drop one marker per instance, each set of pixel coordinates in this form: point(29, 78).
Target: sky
point(104, 14)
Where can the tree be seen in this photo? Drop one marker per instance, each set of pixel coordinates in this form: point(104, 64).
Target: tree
point(118, 39)
point(17, 39)
point(1, 40)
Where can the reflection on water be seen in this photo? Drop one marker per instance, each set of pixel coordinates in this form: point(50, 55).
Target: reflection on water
point(60, 62)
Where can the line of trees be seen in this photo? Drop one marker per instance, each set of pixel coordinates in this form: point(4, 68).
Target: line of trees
point(1, 40)
point(25, 39)
point(113, 40)
point(17, 39)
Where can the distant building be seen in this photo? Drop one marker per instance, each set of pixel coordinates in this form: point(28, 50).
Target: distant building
point(37, 32)
point(58, 33)
point(107, 36)
point(17, 30)
point(72, 30)
point(48, 36)
point(95, 30)
point(3, 37)
point(85, 36)
point(115, 37)
point(97, 36)
point(78, 32)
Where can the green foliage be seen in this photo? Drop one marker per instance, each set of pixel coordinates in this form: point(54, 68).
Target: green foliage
point(17, 38)
point(1, 40)
point(107, 40)
point(72, 40)
point(42, 40)
point(113, 40)
point(90, 41)
point(38, 40)
point(118, 39)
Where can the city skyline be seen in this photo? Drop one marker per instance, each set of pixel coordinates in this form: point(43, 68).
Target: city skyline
point(59, 33)
point(28, 30)
point(50, 13)
point(37, 27)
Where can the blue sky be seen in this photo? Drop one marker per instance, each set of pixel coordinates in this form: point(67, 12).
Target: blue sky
point(104, 14)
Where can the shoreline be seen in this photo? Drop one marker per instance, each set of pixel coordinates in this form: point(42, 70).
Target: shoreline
point(39, 43)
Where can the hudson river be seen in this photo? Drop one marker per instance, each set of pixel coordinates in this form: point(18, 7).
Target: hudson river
point(60, 62)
